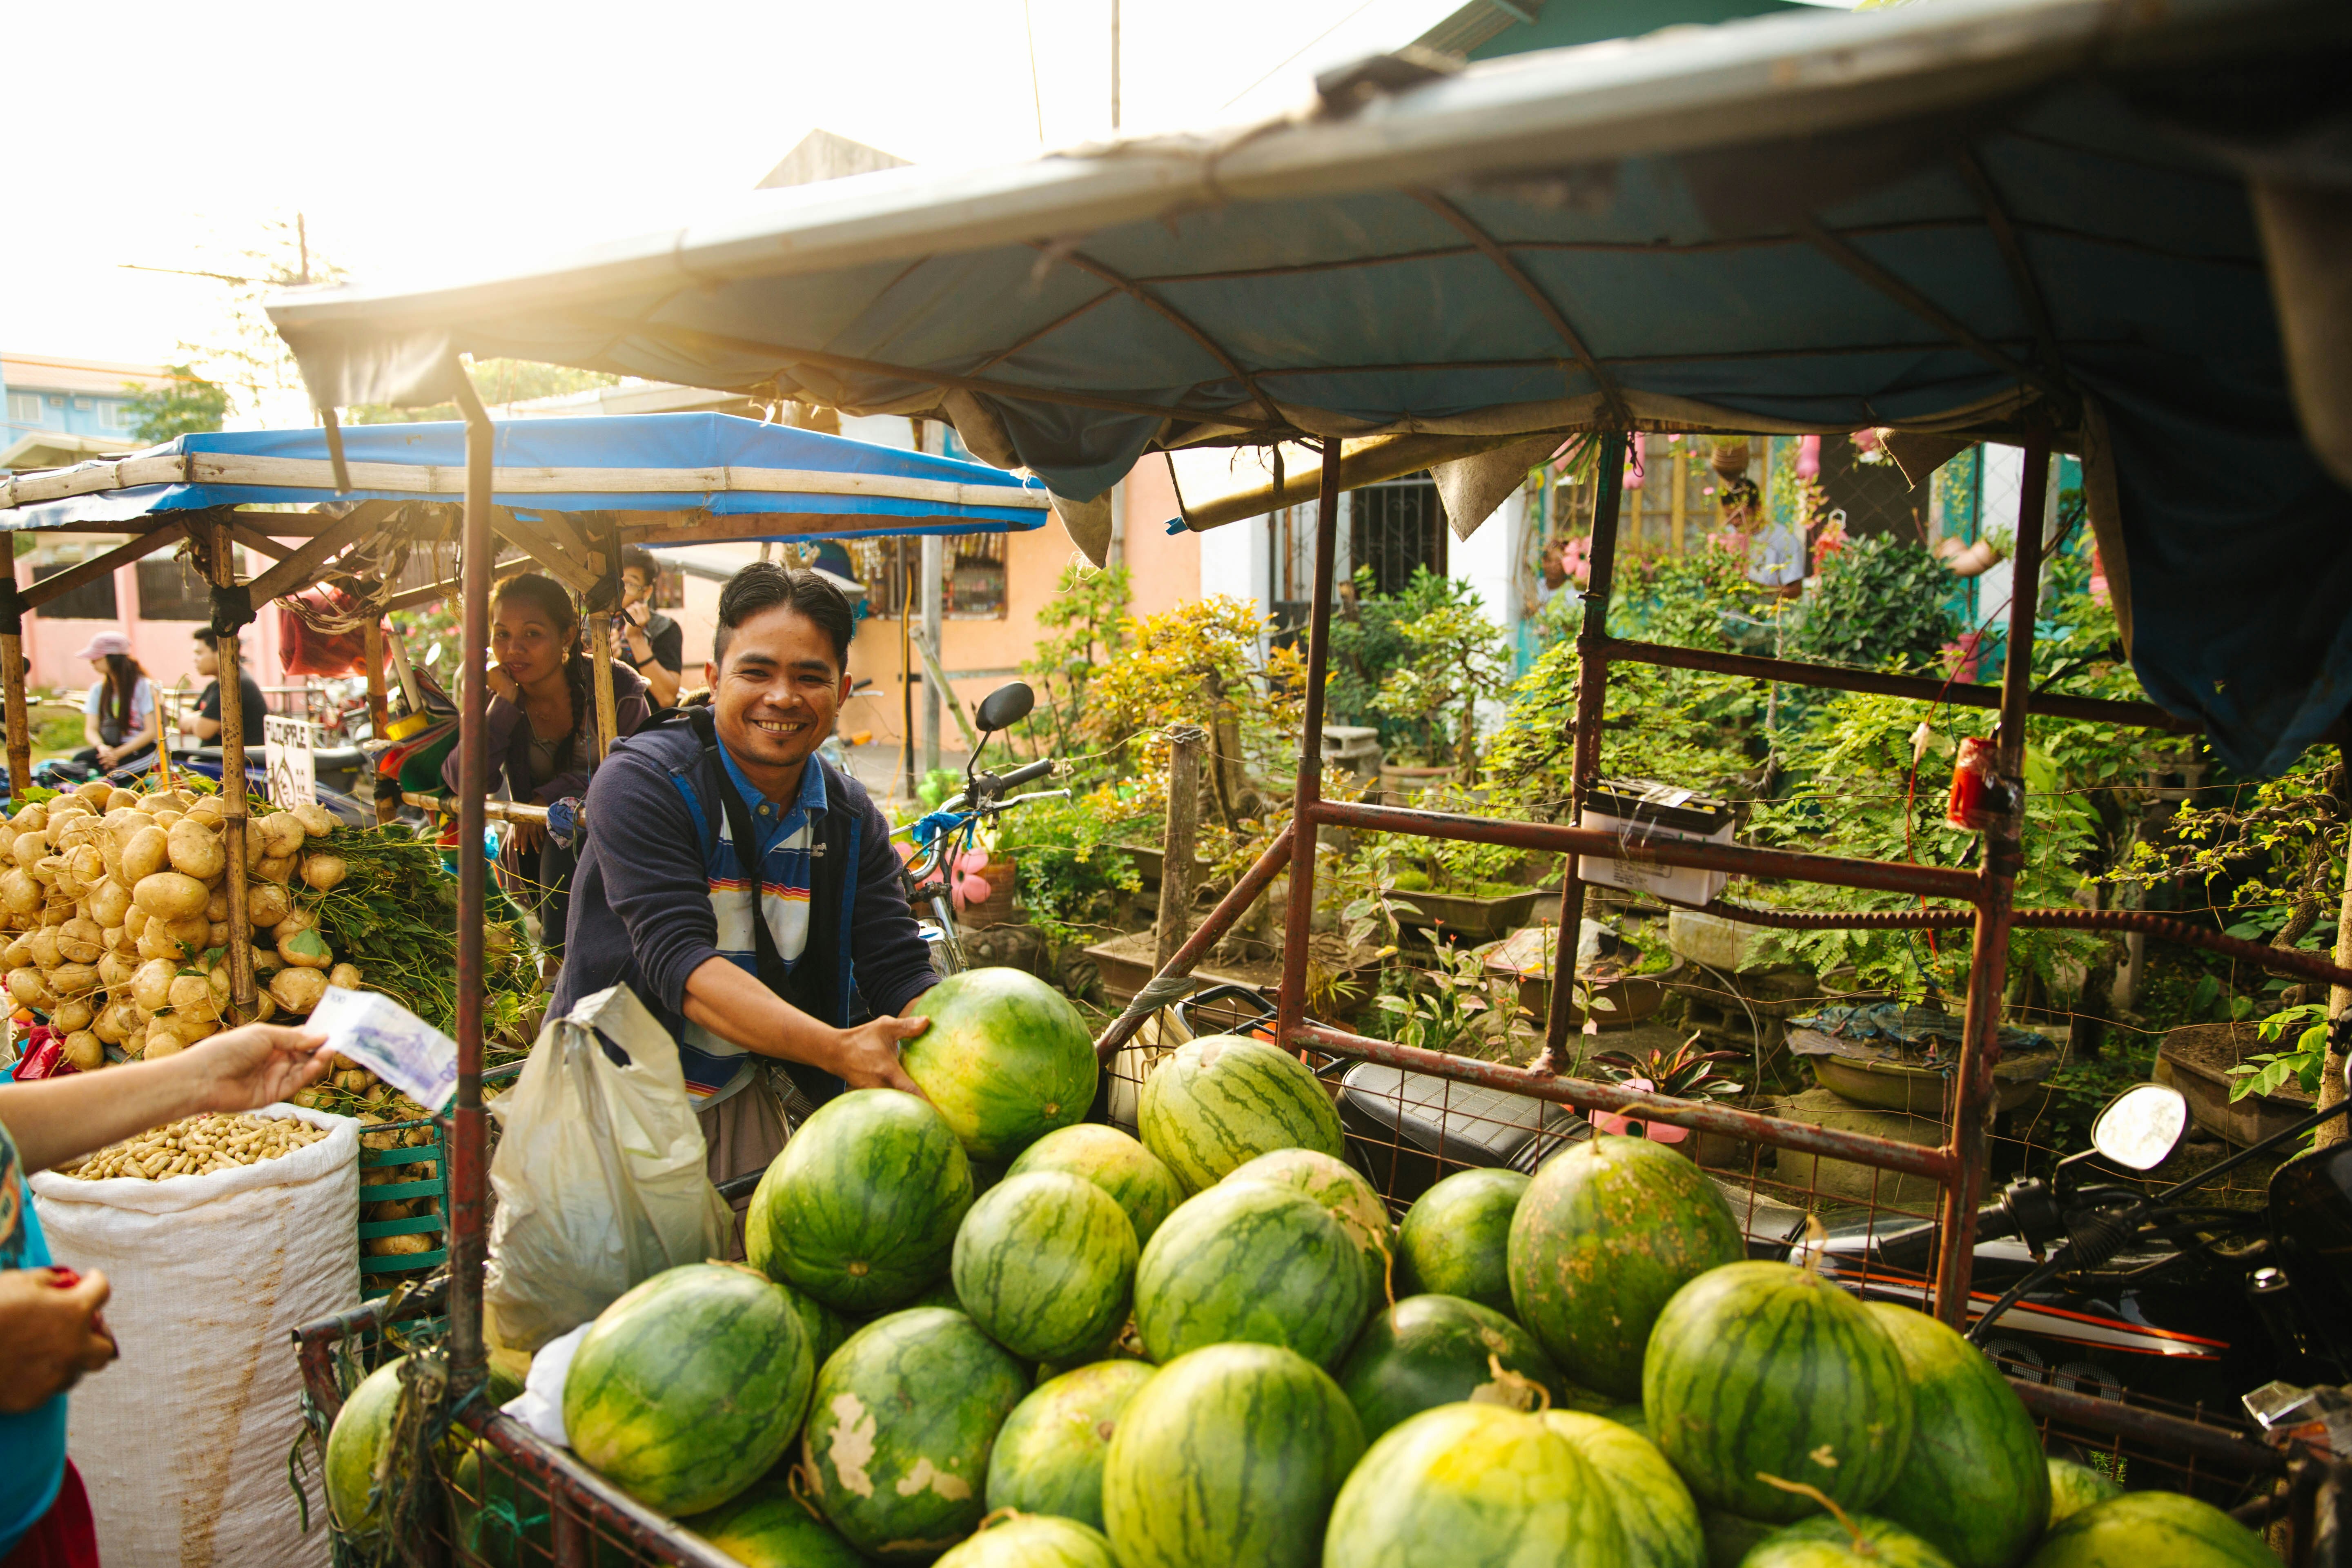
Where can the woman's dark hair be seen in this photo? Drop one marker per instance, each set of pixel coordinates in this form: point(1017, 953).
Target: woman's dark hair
point(763, 585)
point(123, 674)
point(546, 595)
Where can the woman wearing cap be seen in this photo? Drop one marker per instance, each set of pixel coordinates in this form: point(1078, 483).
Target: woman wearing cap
point(118, 717)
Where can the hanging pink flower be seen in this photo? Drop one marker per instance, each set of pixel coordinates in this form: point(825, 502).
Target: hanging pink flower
point(1867, 440)
point(2099, 590)
point(1808, 457)
point(1576, 559)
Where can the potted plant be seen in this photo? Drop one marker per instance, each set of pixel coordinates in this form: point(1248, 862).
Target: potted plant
point(1677, 1072)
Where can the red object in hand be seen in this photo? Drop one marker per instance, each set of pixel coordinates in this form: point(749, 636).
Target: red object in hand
point(1978, 795)
point(62, 1277)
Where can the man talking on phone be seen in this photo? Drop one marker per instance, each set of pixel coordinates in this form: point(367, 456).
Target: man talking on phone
point(652, 643)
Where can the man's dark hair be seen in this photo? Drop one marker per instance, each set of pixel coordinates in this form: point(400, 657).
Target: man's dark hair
point(211, 639)
point(763, 585)
point(638, 559)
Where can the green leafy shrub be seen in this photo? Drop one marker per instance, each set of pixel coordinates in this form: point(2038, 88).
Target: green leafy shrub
point(1881, 603)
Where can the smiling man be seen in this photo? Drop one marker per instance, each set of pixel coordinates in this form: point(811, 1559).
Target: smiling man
point(744, 888)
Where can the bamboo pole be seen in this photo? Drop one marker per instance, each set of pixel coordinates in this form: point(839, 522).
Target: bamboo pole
point(1299, 914)
point(469, 1131)
point(600, 674)
point(1176, 845)
point(379, 701)
point(222, 550)
point(12, 673)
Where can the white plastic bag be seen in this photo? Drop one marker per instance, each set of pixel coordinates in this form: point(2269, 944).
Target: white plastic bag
point(599, 1175)
point(183, 1442)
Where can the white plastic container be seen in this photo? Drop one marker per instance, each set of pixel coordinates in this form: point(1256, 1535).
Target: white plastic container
point(1643, 811)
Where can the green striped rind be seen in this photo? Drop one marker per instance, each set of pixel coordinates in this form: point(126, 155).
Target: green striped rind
point(1730, 1537)
point(1218, 1103)
point(1428, 1351)
point(1254, 1262)
point(1034, 1541)
point(1229, 1455)
point(900, 1431)
point(1474, 1483)
point(1822, 1542)
point(2074, 1488)
point(825, 1327)
point(1049, 1456)
point(1608, 1231)
point(1337, 1185)
point(1630, 1416)
point(861, 1208)
point(1976, 1481)
point(768, 1527)
point(353, 1442)
point(2141, 1530)
point(493, 1519)
point(1655, 1510)
point(1765, 1367)
point(1135, 1177)
point(1045, 1265)
point(689, 1386)
point(1455, 1239)
point(1006, 1060)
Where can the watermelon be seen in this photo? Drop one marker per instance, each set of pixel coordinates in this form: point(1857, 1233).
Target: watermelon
point(1006, 1060)
point(1655, 1510)
point(899, 1430)
point(825, 1327)
point(1606, 1232)
point(2074, 1488)
point(1630, 1416)
point(1045, 1265)
point(1455, 1239)
point(1218, 1103)
point(1976, 1482)
point(768, 1527)
point(1428, 1351)
point(1253, 1261)
point(2141, 1530)
point(1132, 1175)
point(1825, 1542)
point(1229, 1455)
point(1338, 1187)
point(1730, 1537)
point(1764, 1367)
point(689, 1386)
point(353, 1443)
point(1474, 1483)
point(1034, 1541)
point(1049, 1456)
point(860, 1210)
point(503, 1524)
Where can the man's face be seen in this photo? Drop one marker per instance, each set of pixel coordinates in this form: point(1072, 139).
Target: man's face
point(634, 588)
point(779, 690)
point(207, 661)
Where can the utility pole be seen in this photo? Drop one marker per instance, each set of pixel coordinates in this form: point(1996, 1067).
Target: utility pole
point(1114, 66)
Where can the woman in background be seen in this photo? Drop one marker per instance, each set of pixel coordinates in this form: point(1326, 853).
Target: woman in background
point(118, 720)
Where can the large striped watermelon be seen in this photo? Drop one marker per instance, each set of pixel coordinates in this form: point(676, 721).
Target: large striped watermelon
point(1730, 1537)
point(900, 1431)
point(353, 1442)
point(1455, 1239)
point(1766, 1368)
point(1474, 1483)
point(687, 1388)
point(1220, 1102)
point(2074, 1488)
point(1428, 1351)
point(1007, 1059)
point(1049, 1456)
point(825, 1327)
point(1253, 1261)
point(1033, 1541)
point(768, 1527)
point(1045, 1265)
point(1134, 1177)
point(861, 1208)
point(2140, 1530)
point(1861, 1540)
point(1230, 1456)
point(1976, 1482)
point(1653, 1507)
point(1608, 1231)
point(1338, 1186)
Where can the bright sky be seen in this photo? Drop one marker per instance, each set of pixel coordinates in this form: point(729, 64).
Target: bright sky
point(424, 136)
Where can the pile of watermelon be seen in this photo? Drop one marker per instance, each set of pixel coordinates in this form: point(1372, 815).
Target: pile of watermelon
point(977, 1330)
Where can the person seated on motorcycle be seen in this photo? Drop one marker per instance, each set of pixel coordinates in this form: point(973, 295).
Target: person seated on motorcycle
point(541, 726)
point(118, 720)
point(653, 644)
point(207, 725)
point(805, 952)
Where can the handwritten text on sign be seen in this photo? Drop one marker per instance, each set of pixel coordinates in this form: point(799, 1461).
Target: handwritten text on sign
point(293, 778)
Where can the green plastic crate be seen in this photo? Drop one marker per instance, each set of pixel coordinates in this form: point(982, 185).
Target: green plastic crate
point(435, 1187)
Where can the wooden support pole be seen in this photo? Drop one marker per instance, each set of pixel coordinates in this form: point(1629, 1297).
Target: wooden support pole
point(12, 674)
point(1298, 915)
point(2340, 1002)
point(1176, 846)
point(379, 702)
point(600, 676)
point(221, 549)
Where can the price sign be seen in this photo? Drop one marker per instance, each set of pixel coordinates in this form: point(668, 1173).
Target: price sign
point(286, 745)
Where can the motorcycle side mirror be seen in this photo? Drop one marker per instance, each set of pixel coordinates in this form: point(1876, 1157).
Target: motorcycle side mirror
point(1005, 706)
point(2141, 1127)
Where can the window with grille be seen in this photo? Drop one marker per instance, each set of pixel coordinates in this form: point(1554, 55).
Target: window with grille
point(24, 408)
point(973, 574)
point(170, 590)
point(92, 601)
point(1396, 527)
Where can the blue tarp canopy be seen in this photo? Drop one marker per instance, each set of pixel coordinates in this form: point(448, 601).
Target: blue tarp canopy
point(782, 482)
point(1954, 219)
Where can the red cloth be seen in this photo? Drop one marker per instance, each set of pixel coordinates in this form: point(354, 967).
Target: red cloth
point(303, 651)
point(67, 1537)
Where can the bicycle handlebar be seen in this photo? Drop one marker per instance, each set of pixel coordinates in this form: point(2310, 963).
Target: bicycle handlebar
point(1042, 768)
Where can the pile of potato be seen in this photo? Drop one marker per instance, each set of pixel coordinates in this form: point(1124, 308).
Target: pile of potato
point(118, 905)
point(400, 1108)
point(197, 1146)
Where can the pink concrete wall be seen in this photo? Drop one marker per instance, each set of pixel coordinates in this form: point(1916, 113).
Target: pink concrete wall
point(167, 649)
point(1163, 571)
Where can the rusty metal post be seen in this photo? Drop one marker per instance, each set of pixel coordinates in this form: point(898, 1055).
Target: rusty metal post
point(12, 673)
point(1972, 1084)
point(1592, 697)
point(1298, 921)
point(219, 548)
point(1184, 743)
point(468, 1142)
